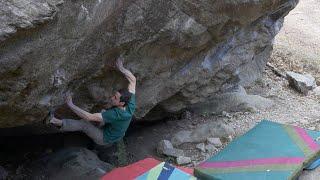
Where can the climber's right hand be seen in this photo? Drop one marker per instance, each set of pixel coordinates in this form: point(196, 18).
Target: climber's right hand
point(68, 98)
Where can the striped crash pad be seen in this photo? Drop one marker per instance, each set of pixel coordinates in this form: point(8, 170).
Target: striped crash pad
point(164, 171)
point(268, 151)
point(136, 169)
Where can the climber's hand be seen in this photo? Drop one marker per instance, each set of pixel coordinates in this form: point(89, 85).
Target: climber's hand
point(119, 63)
point(110, 65)
point(68, 98)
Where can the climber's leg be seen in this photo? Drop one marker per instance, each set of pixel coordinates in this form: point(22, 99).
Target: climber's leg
point(95, 133)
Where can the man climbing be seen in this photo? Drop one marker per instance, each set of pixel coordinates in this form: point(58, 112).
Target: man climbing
point(115, 120)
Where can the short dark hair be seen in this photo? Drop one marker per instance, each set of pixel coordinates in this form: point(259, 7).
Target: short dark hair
point(125, 96)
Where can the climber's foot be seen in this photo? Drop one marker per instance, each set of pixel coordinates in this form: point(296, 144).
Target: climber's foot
point(55, 121)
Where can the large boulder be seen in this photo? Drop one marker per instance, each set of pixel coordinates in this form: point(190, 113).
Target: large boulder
point(183, 52)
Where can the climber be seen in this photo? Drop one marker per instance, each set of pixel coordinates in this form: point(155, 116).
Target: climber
point(114, 121)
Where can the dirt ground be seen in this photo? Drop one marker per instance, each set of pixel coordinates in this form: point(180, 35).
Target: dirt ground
point(297, 46)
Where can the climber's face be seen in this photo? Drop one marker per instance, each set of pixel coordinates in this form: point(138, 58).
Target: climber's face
point(115, 99)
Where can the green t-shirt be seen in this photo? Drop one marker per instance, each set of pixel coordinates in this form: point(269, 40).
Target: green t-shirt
point(117, 121)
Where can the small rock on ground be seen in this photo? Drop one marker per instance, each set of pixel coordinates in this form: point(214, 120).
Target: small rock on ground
point(181, 160)
point(201, 147)
point(316, 91)
point(210, 148)
point(165, 147)
point(215, 141)
point(302, 83)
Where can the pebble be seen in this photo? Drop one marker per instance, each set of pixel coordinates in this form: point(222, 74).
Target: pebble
point(215, 141)
point(210, 148)
point(312, 128)
point(225, 114)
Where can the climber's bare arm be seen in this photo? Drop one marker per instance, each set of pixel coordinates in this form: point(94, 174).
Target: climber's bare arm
point(131, 78)
point(96, 117)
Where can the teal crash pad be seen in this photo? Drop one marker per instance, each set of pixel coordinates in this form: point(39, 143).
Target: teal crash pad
point(268, 151)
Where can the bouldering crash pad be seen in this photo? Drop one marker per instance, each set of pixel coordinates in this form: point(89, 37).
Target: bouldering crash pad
point(136, 169)
point(268, 151)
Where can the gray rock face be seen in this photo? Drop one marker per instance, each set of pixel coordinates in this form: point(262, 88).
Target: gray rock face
point(183, 52)
point(302, 83)
point(25, 14)
point(70, 163)
point(234, 100)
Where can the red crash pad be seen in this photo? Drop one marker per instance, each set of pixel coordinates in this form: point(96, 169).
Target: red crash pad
point(136, 169)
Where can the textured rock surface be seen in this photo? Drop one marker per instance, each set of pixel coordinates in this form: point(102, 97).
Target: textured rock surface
point(25, 14)
point(234, 100)
point(183, 52)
